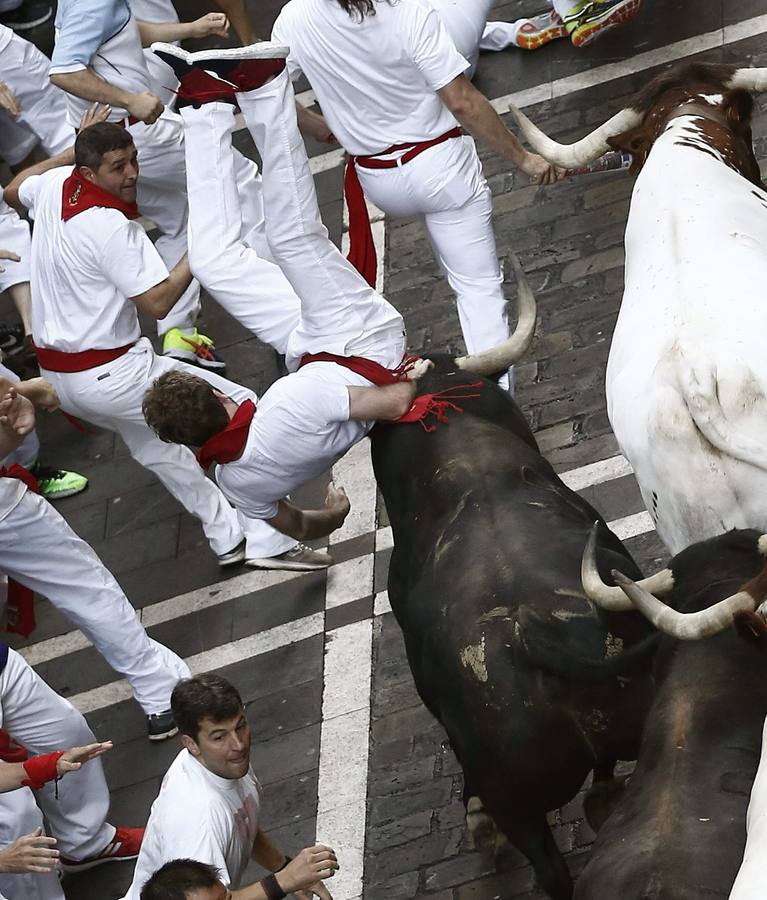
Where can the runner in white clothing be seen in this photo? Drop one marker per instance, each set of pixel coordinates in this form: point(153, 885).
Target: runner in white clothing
point(307, 420)
point(208, 808)
point(393, 89)
point(92, 268)
point(40, 551)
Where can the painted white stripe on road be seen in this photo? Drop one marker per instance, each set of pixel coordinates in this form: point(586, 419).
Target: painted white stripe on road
point(632, 526)
point(597, 473)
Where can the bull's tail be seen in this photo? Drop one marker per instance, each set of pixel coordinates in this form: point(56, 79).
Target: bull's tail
point(698, 384)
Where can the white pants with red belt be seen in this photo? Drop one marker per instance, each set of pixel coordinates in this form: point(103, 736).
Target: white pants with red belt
point(340, 312)
point(42, 721)
point(162, 196)
point(111, 395)
point(446, 187)
point(43, 115)
point(39, 550)
point(20, 815)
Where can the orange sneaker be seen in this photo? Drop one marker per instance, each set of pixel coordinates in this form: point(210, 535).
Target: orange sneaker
point(591, 19)
point(539, 30)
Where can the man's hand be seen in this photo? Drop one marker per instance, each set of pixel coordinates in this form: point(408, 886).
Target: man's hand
point(73, 759)
point(337, 503)
point(8, 100)
point(418, 369)
point(41, 393)
point(303, 875)
point(9, 254)
point(146, 107)
point(539, 170)
point(314, 125)
point(96, 112)
point(17, 413)
point(30, 853)
point(211, 24)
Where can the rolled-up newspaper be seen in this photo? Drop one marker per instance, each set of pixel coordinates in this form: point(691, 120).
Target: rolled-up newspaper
point(608, 162)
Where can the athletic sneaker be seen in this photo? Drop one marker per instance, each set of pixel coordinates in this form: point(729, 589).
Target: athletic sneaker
point(124, 845)
point(589, 19)
point(11, 339)
point(300, 559)
point(209, 75)
point(55, 484)
point(160, 726)
point(539, 30)
point(28, 15)
point(236, 555)
point(194, 348)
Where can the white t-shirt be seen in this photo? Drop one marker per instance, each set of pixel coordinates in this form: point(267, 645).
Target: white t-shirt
point(199, 815)
point(375, 80)
point(106, 40)
point(84, 270)
point(11, 492)
point(301, 427)
point(6, 35)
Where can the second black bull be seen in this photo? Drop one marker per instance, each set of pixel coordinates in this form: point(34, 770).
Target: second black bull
point(533, 685)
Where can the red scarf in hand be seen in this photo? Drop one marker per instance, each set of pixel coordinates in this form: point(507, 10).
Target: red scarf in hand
point(80, 194)
point(21, 608)
point(229, 443)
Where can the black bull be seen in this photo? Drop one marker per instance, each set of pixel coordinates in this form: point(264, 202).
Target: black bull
point(679, 831)
point(504, 649)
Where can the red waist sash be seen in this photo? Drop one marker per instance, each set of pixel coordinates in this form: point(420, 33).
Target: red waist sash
point(59, 361)
point(362, 251)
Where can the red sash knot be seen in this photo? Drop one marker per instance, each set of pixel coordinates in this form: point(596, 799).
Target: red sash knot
point(79, 194)
point(228, 444)
point(21, 607)
point(435, 404)
point(362, 250)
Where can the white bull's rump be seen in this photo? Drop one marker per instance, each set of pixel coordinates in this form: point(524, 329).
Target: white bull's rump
point(687, 373)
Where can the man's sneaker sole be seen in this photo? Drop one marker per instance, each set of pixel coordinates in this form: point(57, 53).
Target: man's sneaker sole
point(28, 25)
point(160, 726)
point(190, 357)
point(287, 565)
point(590, 31)
point(540, 38)
point(60, 495)
point(233, 556)
point(70, 865)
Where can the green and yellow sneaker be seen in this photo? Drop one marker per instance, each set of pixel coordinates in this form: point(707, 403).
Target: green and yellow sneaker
point(589, 19)
point(55, 484)
point(194, 348)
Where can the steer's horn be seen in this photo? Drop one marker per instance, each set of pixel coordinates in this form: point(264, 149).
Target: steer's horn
point(582, 152)
point(613, 598)
point(686, 626)
point(498, 359)
point(749, 79)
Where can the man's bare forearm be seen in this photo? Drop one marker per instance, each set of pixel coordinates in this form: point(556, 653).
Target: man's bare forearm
point(160, 300)
point(163, 31)
point(11, 193)
point(88, 86)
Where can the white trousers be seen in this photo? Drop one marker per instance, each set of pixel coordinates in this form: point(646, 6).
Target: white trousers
point(162, 196)
point(43, 106)
point(42, 721)
point(445, 185)
point(243, 279)
point(19, 815)
point(40, 550)
point(29, 449)
point(14, 235)
point(340, 312)
point(110, 396)
point(752, 875)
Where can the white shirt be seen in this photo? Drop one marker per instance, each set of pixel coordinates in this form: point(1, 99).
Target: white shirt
point(301, 427)
point(12, 491)
point(101, 35)
point(199, 815)
point(84, 270)
point(375, 79)
point(6, 35)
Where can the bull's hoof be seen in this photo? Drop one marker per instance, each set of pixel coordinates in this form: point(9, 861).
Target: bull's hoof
point(481, 828)
point(601, 800)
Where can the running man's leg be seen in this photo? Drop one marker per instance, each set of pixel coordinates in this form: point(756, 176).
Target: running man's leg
point(42, 721)
point(340, 312)
point(40, 550)
point(251, 289)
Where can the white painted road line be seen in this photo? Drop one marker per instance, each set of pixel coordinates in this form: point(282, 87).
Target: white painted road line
point(597, 473)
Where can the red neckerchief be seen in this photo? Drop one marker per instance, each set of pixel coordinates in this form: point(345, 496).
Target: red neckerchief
point(80, 194)
point(229, 443)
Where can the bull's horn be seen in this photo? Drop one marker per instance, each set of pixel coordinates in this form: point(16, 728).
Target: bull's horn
point(582, 152)
point(613, 598)
point(749, 79)
point(498, 359)
point(686, 626)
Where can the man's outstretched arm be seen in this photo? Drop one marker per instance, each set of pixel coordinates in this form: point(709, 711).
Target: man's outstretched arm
point(309, 524)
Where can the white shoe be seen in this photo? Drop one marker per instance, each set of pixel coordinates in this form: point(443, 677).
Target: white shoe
point(299, 559)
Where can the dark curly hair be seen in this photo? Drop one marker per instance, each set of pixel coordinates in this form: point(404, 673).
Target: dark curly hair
point(182, 409)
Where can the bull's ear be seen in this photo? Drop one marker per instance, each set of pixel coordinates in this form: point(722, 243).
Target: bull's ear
point(751, 628)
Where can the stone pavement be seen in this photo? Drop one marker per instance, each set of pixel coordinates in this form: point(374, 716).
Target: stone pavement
point(318, 659)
